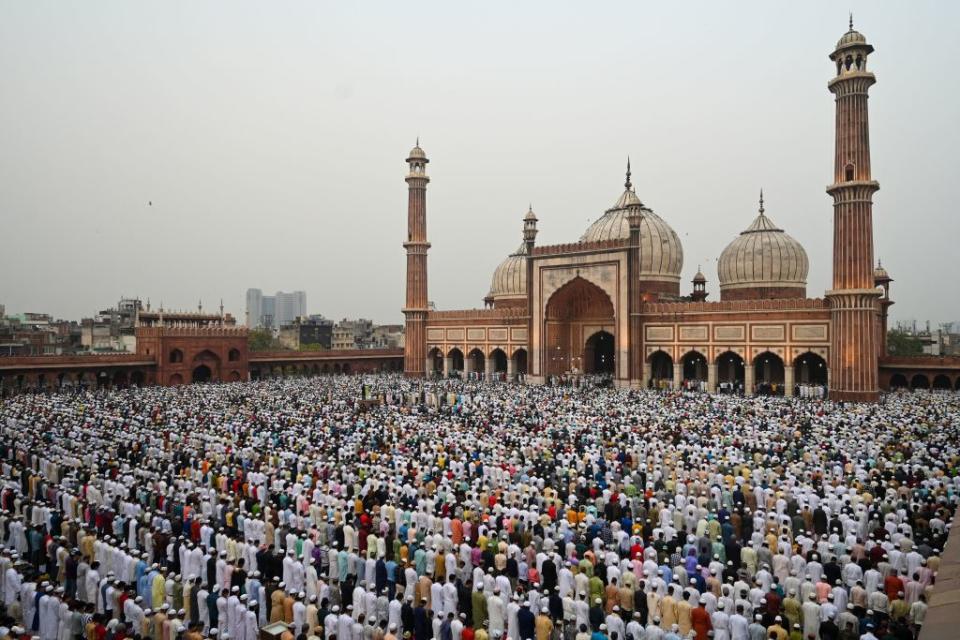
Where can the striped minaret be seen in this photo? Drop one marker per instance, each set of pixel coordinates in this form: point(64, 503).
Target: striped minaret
point(854, 300)
point(415, 309)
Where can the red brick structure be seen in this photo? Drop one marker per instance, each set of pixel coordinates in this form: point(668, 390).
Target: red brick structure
point(920, 372)
point(854, 298)
point(203, 354)
point(611, 303)
point(417, 246)
point(181, 348)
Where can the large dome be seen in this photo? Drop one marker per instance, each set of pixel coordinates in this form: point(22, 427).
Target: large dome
point(661, 254)
point(510, 277)
point(763, 262)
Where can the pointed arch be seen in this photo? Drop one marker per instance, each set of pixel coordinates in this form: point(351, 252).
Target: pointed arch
point(810, 368)
point(600, 354)
point(456, 360)
point(435, 361)
point(499, 358)
point(694, 366)
point(731, 372)
point(769, 373)
point(899, 381)
point(519, 359)
point(660, 366)
point(477, 361)
point(574, 313)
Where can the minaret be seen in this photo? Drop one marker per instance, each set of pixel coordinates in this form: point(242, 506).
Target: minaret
point(634, 328)
point(415, 309)
point(853, 299)
point(529, 241)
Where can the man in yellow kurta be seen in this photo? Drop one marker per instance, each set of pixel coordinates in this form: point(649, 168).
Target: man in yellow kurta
point(158, 590)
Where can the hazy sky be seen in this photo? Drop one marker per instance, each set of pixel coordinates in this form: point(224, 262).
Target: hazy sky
point(271, 137)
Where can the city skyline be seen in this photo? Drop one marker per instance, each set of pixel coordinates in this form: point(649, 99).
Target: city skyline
point(762, 124)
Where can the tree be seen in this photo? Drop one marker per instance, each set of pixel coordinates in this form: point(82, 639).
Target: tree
point(312, 346)
point(263, 340)
point(901, 343)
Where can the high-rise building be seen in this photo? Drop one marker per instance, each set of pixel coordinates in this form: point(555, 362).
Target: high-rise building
point(289, 307)
point(274, 311)
point(254, 307)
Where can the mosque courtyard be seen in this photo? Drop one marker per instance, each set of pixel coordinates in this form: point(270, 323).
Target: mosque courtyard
point(380, 507)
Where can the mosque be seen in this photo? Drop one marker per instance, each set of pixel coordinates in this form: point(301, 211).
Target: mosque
point(613, 302)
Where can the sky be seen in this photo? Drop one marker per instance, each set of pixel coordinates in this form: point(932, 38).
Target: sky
point(182, 151)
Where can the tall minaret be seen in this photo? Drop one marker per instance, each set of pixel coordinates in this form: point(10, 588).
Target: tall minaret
point(415, 309)
point(853, 299)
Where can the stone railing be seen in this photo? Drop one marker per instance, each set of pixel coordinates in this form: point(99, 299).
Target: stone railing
point(478, 314)
point(578, 247)
point(784, 304)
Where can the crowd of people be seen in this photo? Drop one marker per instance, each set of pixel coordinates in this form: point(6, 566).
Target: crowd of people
point(351, 508)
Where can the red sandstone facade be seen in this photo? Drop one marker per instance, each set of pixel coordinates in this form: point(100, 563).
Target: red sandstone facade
point(417, 246)
point(854, 298)
point(601, 306)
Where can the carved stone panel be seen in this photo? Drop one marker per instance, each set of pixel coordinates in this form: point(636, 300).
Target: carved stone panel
point(659, 334)
point(729, 332)
point(476, 334)
point(498, 335)
point(812, 332)
point(768, 332)
point(697, 332)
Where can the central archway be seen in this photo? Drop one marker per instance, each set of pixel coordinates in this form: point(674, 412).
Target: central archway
point(575, 312)
point(599, 354)
point(206, 363)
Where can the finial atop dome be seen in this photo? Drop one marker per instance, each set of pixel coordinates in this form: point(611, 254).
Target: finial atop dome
point(761, 200)
point(628, 185)
point(880, 274)
point(853, 38)
point(417, 153)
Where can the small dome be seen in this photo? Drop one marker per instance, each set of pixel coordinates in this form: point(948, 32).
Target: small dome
point(763, 256)
point(417, 153)
point(661, 254)
point(851, 37)
point(510, 277)
point(880, 274)
point(699, 277)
